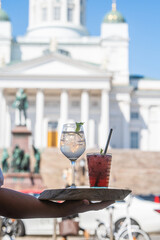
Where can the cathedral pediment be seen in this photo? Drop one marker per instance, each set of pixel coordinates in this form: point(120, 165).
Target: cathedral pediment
point(53, 64)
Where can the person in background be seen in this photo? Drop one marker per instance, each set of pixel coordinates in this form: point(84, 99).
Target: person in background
point(15, 204)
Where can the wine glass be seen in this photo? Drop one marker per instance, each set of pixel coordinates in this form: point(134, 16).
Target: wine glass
point(72, 144)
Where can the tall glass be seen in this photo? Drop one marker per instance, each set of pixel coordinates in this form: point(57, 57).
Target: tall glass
point(72, 144)
point(99, 166)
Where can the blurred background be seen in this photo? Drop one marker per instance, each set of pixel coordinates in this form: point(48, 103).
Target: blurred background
point(91, 61)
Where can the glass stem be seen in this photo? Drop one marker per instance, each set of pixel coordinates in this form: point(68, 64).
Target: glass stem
point(73, 173)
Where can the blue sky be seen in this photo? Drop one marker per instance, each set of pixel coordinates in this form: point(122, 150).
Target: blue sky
point(142, 16)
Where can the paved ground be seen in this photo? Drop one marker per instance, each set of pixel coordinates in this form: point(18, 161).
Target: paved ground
point(153, 237)
point(50, 238)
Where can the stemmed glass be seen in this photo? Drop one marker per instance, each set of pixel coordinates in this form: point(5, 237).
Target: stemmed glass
point(72, 144)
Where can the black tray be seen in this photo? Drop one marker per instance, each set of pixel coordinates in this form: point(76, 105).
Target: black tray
point(92, 194)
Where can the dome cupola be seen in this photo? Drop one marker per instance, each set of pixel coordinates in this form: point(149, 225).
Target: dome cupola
point(114, 16)
point(3, 16)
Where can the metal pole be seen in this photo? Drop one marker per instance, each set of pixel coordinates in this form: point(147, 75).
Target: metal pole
point(0, 228)
point(111, 223)
point(54, 228)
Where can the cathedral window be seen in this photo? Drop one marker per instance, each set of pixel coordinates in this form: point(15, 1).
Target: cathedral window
point(95, 104)
point(134, 139)
point(81, 18)
point(70, 14)
point(134, 115)
point(56, 13)
point(44, 13)
point(75, 103)
point(81, 12)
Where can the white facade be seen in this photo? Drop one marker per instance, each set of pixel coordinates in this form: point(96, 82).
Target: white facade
point(71, 76)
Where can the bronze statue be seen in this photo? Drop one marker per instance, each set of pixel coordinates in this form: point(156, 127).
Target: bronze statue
point(16, 159)
point(5, 156)
point(21, 103)
point(19, 161)
point(25, 164)
point(37, 156)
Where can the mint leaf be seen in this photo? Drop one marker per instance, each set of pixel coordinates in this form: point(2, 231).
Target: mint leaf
point(78, 126)
point(101, 151)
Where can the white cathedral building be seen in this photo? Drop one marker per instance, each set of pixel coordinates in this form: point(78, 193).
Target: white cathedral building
point(69, 75)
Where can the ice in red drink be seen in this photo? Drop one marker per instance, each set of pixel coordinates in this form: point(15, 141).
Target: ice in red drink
point(99, 166)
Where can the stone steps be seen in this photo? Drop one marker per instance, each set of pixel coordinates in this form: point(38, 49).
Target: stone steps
point(133, 169)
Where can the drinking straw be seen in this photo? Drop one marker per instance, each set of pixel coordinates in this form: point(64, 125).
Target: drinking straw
point(108, 140)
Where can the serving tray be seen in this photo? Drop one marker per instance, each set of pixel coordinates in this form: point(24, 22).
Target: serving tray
point(92, 194)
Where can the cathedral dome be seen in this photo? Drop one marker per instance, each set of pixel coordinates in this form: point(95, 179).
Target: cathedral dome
point(57, 19)
point(114, 16)
point(3, 16)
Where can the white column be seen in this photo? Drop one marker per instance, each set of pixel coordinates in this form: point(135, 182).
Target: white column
point(104, 122)
point(38, 13)
point(64, 11)
point(45, 132)
point(50, 11)
point(8, 129)
point(144, 138)
point(2, 119)
point(125, 109)
point(126, 131)
point(39, 119)
point(85, 112)
point(77, 13)
point(91, 133)
point(30, 18)
point(1, 99)
point(63, 111)
point(64, 106)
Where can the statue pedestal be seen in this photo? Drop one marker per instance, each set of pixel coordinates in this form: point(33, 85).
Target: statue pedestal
point(21, 137)
point(24, 182)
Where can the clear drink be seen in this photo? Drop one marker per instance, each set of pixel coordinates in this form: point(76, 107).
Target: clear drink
point(72, 144)
point(99, 166)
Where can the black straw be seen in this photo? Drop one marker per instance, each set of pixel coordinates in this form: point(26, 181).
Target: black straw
point(108, 140)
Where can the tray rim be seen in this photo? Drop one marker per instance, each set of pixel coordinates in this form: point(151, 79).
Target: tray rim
point(124, 192)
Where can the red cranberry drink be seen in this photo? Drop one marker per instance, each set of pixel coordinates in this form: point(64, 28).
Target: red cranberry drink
point(99, 166)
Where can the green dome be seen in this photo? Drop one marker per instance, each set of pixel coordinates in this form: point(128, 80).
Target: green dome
point(3, 16)
point(114, 17)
